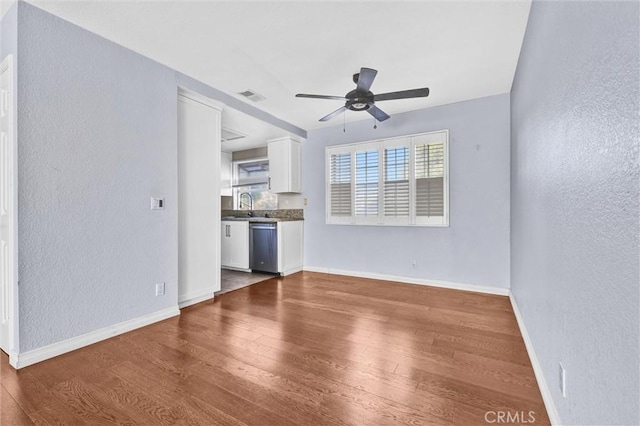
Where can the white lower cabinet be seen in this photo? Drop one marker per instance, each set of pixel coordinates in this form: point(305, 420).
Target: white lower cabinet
point(234, 250)
point(290, 240)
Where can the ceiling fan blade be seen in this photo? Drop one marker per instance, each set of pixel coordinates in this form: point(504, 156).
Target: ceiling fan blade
point(365, 79)
point(403, 94)
point(379, 114)
point(333, 114)
point(337, 98)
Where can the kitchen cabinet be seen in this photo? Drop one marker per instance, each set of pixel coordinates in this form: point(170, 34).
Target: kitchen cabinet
point(290, 243)
point(234, 250)
point(284, 165)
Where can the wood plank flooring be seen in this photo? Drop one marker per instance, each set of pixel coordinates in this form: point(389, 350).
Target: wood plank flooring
point(307, 349)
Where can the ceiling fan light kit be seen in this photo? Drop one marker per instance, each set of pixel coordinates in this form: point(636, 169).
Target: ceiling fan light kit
point(362, 99)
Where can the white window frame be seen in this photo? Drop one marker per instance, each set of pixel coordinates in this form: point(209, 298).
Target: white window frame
point(440, 136)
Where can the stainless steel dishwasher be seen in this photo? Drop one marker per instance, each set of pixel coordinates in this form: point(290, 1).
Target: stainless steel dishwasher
point(263, 247)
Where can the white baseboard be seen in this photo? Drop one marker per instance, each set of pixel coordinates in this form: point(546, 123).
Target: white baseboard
point(411, 280)
point(292, 271)
point(196, 297)
point(552, 412)
point(34, 356)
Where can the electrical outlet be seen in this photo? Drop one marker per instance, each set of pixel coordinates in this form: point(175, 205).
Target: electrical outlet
point(563, 380)
point(159, 289)
point(306, 201)
point(414, 263)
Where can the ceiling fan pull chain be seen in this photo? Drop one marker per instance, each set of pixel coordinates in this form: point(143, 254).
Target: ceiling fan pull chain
point(344, 122)
point(375, 124)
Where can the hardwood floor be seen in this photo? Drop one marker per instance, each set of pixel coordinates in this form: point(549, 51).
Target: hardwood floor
point(308, 349)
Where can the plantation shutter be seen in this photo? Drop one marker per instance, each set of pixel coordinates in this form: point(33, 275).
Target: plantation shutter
point(396, 181)
point(400, 181)
point(367, 181)
point(340, 184)
point(429, 175)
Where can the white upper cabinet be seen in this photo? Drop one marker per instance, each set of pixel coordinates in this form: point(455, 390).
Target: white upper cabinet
point(284, 165)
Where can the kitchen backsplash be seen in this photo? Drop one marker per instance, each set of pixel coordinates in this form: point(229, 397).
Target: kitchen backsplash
point(291, 214)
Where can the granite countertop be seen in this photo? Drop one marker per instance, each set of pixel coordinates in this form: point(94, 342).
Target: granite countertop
point(268, 216)
point(258, 219)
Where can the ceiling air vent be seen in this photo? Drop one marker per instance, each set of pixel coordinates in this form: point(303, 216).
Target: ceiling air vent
point(230, 135)
point(252, 95)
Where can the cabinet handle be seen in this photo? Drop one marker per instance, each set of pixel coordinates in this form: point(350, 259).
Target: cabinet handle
point(269, 182)
point(229, 230)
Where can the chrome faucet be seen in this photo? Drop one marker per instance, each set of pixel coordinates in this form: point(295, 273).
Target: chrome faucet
point(240, 203)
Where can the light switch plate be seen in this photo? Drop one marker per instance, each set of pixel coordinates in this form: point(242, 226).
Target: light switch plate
point(157, 203)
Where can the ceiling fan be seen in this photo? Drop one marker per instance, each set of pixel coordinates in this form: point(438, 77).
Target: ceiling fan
point(362, 99)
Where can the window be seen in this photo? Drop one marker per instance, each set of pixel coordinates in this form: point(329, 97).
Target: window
point(340, 185)
point(399, 181)
point(367, 183)
point(251, 186)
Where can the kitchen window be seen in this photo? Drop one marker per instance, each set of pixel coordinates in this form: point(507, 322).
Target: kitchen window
point(251, 186)
point(400, 181)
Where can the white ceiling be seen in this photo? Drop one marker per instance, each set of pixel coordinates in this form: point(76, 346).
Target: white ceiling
point(459, 49)
point(256, 132)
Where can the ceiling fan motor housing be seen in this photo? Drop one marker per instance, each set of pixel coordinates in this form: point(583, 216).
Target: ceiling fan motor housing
point(358, 101)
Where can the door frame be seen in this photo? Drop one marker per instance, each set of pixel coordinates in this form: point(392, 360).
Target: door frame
point(7, 65)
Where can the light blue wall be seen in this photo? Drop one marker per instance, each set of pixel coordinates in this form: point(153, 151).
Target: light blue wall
point(97, 126)
point(474, 249)
point(574, 203)
point(97, 129)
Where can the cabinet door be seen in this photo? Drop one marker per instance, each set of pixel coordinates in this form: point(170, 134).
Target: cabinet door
point(284, 166)
point(290, 243)
point(278, 152)
point(239, 246)
point(295, 173)
point(225, 245)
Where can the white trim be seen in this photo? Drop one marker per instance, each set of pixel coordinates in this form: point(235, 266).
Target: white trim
point(8, 65)
point(47, 352)
point(198, 98)
point(195, 297)
point(411, 280)
point(552, 412)
point(292, 271)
